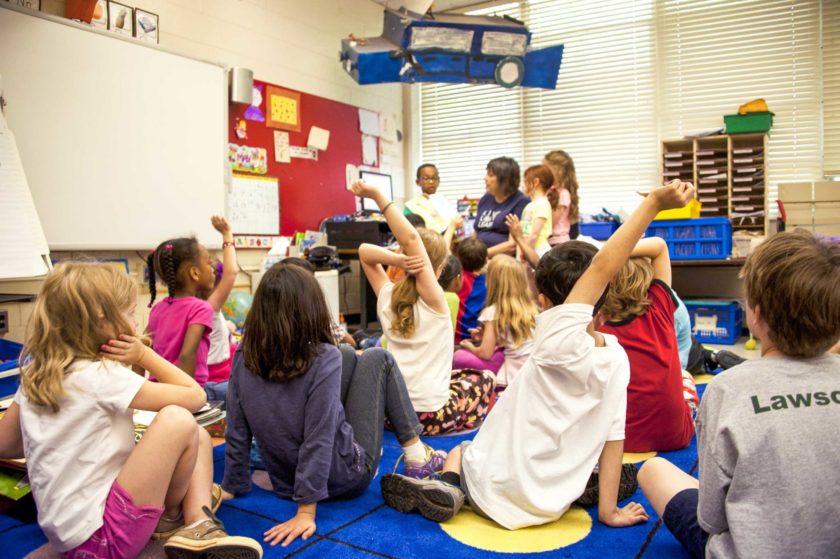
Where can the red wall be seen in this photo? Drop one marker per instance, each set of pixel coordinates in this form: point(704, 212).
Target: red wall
point(309, 190)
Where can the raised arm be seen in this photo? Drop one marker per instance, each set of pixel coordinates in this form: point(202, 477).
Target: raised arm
point(223, 289)
point(615, 252)
point(412, 246)
point(456, 223)
point(656, 249)
point(519, 238)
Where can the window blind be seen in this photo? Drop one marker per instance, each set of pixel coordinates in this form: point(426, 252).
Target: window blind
point(831, 86)
point(603, 113)
point(639, 71)
point(714, 56)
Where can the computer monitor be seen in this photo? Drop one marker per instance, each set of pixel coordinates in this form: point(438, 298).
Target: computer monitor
point(382, 182)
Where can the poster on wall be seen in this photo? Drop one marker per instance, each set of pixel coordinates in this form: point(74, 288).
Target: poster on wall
point(248, 159)
point(282, 108)
point(100, 15)
point(281, 147)
point(146, 26)
point(120, 18)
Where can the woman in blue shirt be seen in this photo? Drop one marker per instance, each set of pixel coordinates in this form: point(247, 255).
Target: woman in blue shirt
point(503, 197)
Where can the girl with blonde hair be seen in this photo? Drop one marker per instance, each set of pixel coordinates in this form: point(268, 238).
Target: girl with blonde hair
point(416, 322)
point(508, 321)
point(97, 493)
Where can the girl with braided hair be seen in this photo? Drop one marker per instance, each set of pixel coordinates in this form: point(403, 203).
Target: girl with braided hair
point(180, 324)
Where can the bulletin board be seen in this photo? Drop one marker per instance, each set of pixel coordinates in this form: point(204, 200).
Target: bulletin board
point(310, 190)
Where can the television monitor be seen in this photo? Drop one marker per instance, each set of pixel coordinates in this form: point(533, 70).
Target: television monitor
point(382, 182)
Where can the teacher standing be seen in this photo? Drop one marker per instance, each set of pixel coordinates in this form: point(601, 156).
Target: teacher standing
point(502, 198)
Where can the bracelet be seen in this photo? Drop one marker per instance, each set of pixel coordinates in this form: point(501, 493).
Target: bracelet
point(388, 205)
point(227, 244)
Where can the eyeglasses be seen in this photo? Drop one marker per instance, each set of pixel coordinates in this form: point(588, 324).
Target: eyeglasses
point(430, 179)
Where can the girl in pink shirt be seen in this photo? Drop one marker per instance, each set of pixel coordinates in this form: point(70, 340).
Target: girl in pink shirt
point(565, 191)
point(180, 324)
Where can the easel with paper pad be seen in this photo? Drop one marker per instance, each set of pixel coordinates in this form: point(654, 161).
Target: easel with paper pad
point(23, 247)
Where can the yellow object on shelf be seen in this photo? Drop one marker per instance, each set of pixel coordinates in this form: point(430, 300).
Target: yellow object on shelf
point(691, 210)
point(754, 106)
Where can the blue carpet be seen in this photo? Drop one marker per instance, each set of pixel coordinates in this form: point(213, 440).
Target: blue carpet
point(366, 528)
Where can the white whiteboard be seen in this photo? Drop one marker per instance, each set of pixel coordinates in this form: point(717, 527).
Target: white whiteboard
point(254, 205)
point(124, 145)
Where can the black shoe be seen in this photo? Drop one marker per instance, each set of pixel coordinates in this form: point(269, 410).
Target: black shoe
point(727, 359)
point(627, 486)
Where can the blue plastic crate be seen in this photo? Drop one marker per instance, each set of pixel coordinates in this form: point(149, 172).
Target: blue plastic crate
point(9, 377)
point(701, 238)
point(715, 321)
point(600, 230)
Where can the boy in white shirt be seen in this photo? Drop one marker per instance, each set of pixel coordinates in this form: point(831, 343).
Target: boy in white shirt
point(537, 448)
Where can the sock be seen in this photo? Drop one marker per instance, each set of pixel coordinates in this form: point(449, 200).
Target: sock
point(451, 478)
point(194, 524)
point(415, 452)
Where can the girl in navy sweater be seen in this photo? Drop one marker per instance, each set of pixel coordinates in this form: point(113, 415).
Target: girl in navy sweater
point(316, 411)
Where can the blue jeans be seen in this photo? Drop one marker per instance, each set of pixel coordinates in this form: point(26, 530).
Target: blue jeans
point(216, 390)
point(372, 388)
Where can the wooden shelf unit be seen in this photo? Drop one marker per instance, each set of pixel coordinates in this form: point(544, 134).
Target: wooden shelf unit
point(730, 173)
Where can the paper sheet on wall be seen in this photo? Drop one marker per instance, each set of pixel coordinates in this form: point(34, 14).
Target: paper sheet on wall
point(369, 122)
point(281, 147)
point(23, 246)
point(301, 152)
point(318, 138)
point(388, 127)
point(254, 205)
point(370, 150)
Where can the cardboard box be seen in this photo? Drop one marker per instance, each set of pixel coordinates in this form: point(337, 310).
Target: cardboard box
point(799, 213)
point(826, 191)
point(795, 192)
point(827, 213)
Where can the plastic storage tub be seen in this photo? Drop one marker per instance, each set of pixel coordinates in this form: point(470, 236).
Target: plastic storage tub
point(9, 375)
point(715, 322)
point(600, 230)
point(703, 238)
point(748, 123)
point(691, 210)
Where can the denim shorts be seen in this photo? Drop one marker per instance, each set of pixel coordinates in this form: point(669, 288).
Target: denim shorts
point(680, 517)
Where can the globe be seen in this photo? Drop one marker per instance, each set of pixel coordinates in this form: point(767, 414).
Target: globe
point(237, 306)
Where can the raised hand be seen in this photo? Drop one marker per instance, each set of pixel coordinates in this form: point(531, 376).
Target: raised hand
point(672, 195)
point(514, 226)
point(220, 224)
point(363, 189)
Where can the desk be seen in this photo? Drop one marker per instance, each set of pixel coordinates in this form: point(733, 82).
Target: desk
point(707, 278)
point(367, 298)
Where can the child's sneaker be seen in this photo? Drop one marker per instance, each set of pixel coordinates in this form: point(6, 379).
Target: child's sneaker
point(168, 526)
point(426, 468)
point(434, 499)
point(208, 538)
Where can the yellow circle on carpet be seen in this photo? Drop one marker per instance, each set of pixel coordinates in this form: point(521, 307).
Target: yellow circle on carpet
point(475, 531)
point(636, 457)
point(703, 378)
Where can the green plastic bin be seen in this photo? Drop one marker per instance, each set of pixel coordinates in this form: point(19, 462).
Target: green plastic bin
point(748, 123)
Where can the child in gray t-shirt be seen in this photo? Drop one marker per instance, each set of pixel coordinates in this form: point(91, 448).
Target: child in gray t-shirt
point(769, 481)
